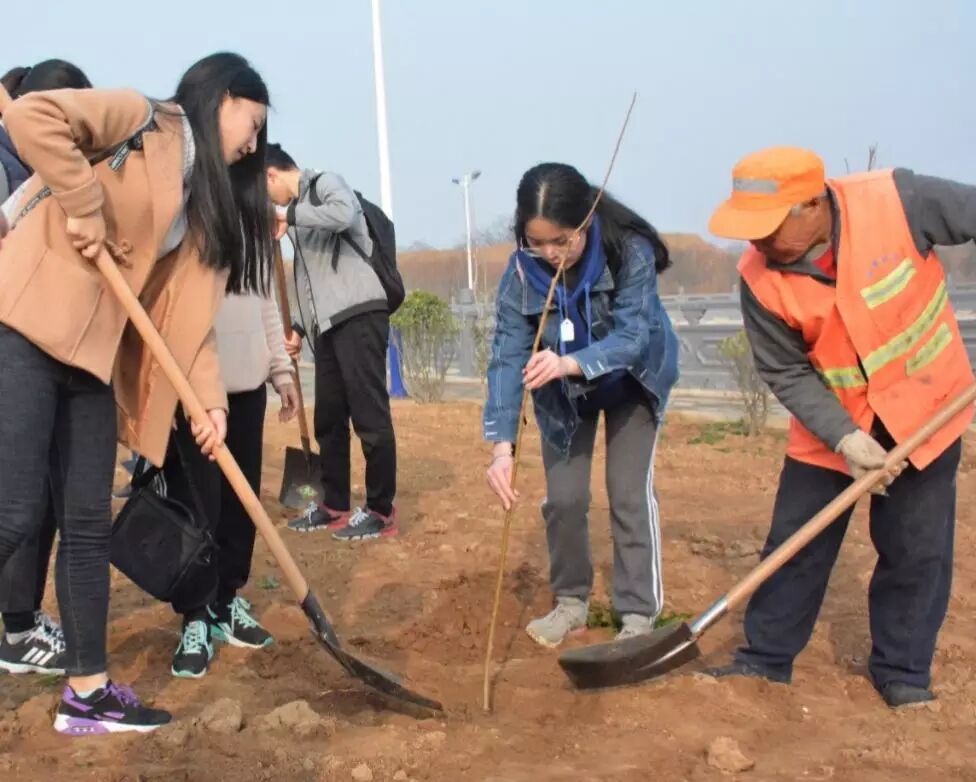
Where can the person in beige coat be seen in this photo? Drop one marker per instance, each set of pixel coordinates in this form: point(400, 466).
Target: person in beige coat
point(181, 190)
point(251, 345)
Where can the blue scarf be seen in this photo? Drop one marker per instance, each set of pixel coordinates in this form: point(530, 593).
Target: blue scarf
point(611, 389)
point(539, 275)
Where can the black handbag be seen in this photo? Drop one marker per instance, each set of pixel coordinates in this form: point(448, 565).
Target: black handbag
point(157, 542)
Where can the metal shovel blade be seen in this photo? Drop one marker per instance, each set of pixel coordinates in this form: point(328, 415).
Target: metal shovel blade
point(301, 481)
point(631, 660)
point(376, 678)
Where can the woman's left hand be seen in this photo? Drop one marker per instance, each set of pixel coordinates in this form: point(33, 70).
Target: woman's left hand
point(545, 366)
point(211, 435)
point(289, 402)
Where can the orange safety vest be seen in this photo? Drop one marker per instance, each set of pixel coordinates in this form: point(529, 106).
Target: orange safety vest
point(885, 340)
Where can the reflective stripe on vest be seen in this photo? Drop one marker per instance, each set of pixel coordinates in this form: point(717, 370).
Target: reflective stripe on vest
point(890, 286)
point(907, 339)
point(843, 377)
point(930, 350)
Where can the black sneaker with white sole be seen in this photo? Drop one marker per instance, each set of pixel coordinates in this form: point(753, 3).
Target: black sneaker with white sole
point(39, 651)
point(232, 623)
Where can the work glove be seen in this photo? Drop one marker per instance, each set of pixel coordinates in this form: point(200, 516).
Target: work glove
point(863, 454)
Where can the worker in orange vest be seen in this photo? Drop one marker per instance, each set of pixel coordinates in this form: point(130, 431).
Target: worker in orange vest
point(846, 309)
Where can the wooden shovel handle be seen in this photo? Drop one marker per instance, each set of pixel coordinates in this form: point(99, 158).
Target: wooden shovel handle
point(741, 591)
point(285, 308)
point(194, 408)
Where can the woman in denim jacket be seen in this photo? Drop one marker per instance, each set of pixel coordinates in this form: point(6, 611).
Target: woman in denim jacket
point(608, 346)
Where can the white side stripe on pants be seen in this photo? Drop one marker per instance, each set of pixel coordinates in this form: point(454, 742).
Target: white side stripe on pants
point(654, 521)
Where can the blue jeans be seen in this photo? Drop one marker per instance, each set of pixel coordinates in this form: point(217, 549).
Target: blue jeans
point(58, 423)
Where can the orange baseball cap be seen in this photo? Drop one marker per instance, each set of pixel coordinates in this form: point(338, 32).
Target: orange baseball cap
point(765, 186)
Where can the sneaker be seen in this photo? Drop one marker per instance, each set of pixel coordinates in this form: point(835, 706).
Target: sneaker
point(741, 668)
point(195, 651)
point(568, 616)
point(39, 651)
point(233, 624)
point(368, 524)
point(898, 694)
point(634, 625)
point(318, 517)
point(110, 709)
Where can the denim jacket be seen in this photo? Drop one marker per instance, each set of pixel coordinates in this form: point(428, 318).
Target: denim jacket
point(630, 330)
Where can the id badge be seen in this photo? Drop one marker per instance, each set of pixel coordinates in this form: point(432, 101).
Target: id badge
point(567, 333)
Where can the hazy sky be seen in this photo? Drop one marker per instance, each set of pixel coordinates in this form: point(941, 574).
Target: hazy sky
point(503, 84)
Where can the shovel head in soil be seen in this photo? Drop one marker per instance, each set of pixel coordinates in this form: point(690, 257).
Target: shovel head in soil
point(631, 660)
point(380, 680)
point(301, 481)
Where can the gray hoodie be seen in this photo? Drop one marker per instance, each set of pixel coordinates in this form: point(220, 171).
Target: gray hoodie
point(328, 293)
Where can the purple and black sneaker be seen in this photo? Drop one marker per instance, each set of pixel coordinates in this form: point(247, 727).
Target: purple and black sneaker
point(110, 709)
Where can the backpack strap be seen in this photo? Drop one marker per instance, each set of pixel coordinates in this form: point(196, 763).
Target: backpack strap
point(202, 522)
point(313, 196)
point(352, 243)
point(117, 154)
point(314, 199)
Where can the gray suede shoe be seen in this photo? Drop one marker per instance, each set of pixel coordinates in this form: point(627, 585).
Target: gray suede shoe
point(568, 615)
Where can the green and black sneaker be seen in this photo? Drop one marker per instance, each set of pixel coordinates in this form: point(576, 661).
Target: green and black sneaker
point(195, 651)
point(232, 623)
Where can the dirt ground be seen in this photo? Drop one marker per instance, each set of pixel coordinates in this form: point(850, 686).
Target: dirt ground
point(419, 604)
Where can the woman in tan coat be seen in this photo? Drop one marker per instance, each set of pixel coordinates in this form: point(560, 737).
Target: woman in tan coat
point(181, 190)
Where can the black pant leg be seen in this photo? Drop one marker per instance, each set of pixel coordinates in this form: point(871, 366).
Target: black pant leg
point(28, 565)
point(81, 468)
point(781, 614)
point(235, 530)
point(361, 344)
point(332, 423)
point(913, 530)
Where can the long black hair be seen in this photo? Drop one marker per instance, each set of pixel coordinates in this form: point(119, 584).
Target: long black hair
point(47, 75)
point(559, 193)
point(237, 237)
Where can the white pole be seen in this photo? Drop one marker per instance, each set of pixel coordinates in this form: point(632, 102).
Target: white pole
point(466, 184)
point(386, 191)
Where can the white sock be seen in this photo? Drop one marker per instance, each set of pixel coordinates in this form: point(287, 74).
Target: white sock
point(16, 638)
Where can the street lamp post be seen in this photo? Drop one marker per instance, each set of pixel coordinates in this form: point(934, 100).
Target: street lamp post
point(397, 389)
point(386, 190)
point(465, 183)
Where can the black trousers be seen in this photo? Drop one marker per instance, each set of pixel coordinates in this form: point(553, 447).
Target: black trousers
point(350, 383)
point(28, 566)
point(912, 530)
point(222, 512)
point(58, 431)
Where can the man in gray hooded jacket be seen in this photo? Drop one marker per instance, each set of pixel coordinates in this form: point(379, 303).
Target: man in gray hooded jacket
point(344, 312)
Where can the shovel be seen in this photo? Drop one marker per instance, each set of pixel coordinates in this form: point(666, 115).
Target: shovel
point(376, 678)
point(301, 481)
point(648, 656)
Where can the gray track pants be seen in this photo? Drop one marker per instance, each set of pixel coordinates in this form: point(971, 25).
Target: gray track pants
point(631, 433)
